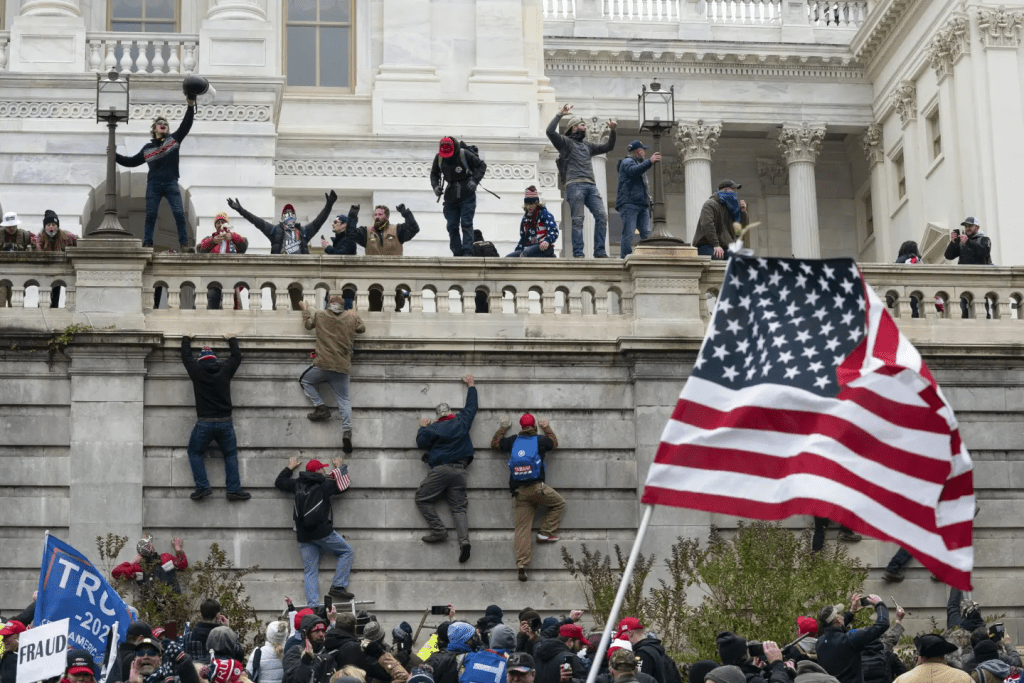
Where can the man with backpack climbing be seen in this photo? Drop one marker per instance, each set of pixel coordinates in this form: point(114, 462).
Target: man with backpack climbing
point(526, 481)
point(314, 523)
point(460, 166)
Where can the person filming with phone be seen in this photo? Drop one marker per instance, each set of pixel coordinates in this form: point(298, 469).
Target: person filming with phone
point(839, 649)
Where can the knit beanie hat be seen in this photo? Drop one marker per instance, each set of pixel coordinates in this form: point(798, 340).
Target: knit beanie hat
point(50, 217)
point(619, 644)
point(527, 420)
point(531, 196)
point(220, 217)
point(726, 674)
point(442, 409)
point(549, 628)
point(224, 671)
point(459, 632)
point(731, 648)
point(206, 355)
point(985, 651)
point(373, 631)
point(502, 638)
point(222, 640)
point(698, 670)
point(297, 621)
point(807, 625)
point(277, 631)
point(573, 122)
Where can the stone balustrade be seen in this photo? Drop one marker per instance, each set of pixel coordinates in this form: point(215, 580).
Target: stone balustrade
point(832, 13)
point(141, 53)
point(5, 41)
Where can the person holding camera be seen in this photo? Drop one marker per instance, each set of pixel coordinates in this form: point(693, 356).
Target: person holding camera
point(553, 655)
point(839, 649)
point(633, 198)
point(970, 248)
point(735, 650)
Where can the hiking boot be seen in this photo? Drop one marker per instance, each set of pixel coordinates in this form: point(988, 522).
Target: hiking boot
point(147, 245)
point(319, 414)
point(185, 249)
point(464, 553)
point(893, 577)
point(545, 538)
point(341, 593)
point(240, 494)
point(435, 537)
point(199, 494)
point(346, 441)
point(849, 537)
point(522, 573)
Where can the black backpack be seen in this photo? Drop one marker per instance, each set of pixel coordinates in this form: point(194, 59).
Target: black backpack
point(669, 670)
point(312, 507)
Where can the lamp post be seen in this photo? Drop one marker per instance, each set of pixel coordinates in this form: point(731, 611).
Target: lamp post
point(112, 107)
point(656, 112)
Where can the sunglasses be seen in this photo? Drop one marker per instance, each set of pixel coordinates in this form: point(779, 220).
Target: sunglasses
point(147, 652)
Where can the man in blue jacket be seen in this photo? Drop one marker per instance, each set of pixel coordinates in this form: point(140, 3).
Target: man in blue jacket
point(632, 199)
point(839, 650)
point(449, 452)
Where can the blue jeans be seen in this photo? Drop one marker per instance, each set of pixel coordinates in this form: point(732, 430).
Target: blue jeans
point(155, 191)
point(899, 561)
point(634, 217)
point(463, 213)
point(203, 434)
point(708, 250)
point(311, 564)
point(534, 250)
point(339, 384)
point(587, 195)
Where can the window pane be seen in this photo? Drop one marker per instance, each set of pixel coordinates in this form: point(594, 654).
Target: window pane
point(334, 10)
point(334, 57)
point(159, 27)
point(126, 9)
point(301, 55)
point(160, 9)
point(301, 10)
point(125, 27)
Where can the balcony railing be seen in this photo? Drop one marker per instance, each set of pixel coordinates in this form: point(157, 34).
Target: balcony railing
point(5, 40)
point(142, 53)
point(823, 13)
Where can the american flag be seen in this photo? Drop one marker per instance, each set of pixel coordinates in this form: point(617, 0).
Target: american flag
point(340, 475)
point(805, 399)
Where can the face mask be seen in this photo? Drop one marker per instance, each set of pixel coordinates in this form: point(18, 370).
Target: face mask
point(289, 219)
point(52, 232)
point(447, 149)
point(579, 135)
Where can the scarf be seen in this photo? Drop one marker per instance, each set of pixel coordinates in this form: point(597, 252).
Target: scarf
point(732, 203)
point(336, 308)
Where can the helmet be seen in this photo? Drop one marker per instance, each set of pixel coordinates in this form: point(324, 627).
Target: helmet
point(195, 85)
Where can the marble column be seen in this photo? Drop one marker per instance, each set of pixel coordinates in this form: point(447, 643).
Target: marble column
point(800, 145)
point(874, 151)
point(696, 143)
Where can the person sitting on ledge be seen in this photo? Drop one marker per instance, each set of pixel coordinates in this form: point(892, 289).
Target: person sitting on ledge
point(538, 230)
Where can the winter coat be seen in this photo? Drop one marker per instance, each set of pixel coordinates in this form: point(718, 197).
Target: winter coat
point(933, 672)
point(874, 663)
point(714, 227)
point(343, 243)
point(19, 240)
point(271, 667)
point(577, 166)
point(154, 569)
point(632, 188)
point(549, 654)
point(653, 659)
point(335, 334)
point(196, 643)
point(343, 649)
point(162, 155)
point(458, 171)
point(9, 667)
point(548, 442)
point(776, 673)
point(446, 665)
point(839, 650)
point(977, 250)
point(373, 240)
point(447, 441)
point(211, 382)
point(276, 232)
point(331, 485)
point(545, 229)
point(239, 245)
point(59, 242)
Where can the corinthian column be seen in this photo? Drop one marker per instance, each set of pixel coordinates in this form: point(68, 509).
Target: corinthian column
point(800, 145)
point(696, 143)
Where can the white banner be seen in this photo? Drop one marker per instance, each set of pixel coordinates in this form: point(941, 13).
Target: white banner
point(43, 652)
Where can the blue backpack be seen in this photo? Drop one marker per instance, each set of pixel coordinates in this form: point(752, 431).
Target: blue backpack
point(525, 463)
point(485, 666)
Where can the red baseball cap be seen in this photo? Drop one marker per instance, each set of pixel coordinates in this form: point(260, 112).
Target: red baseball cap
point(11, 627)
point(573, 631)
point(81, 662)
point(527, 421)
point(628, 624)
point(807, 625)
point(298, 617)
point(315, 466)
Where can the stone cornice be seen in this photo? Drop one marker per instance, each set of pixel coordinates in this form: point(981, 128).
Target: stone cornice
point(887, 20)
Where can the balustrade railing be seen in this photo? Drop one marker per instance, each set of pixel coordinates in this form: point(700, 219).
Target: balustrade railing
point(744, 11)
point(5, 40)
point(140, 53)
point(820, 13)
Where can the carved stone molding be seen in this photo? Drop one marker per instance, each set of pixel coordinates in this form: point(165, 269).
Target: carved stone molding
point(659, 284)
point(1000, 28)
point(905, 102)
point(545, 179)
point(882, 24)
point(801, 143)
point(257, 113)
point(675, 176)
point(947, 47)
point(48, 110)
point(696, 141)
point(398, 169)
point(108, 277)
point(871, 143)
point(774, 175)
point(597, 133)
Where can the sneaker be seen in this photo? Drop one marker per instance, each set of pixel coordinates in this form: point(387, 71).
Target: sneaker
point(199, 494)
point(544, 538)
point(435, 537)
point(240, 494)
point(849, 537)
point(464, 553)
point(185, 249)
point(147, 245)
point(319, 414)
point(346, 441)
point(578, 256)
point(600, 255)
point(522, 573)
point(893, 577)
point(341, 593)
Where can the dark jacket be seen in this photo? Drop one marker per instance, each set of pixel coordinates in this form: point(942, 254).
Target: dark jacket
point(776, 673)
point(343, 243)
point(343, 649)
point(715, 224)
point(839, 650)
point(211, 381)
point(458, 171)
point(406, 231)
point(533, 232)
point(977, 250)
point(9, 667)
point(632, 188)
point(330, 486)
point(19, 240)
point(276, 233)
point(162, 155)
point(549, 654)
point(874, 663)
point(574, 155)
point(448, 441)
point(548, 442)
point(651, 654)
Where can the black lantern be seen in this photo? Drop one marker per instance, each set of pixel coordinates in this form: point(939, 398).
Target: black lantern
point(112, 106)
point(656, 112)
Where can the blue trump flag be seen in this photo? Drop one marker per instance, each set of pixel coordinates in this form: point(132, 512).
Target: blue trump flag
point(71, 587)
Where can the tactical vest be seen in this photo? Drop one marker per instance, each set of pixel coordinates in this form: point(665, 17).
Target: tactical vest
point(384, 243)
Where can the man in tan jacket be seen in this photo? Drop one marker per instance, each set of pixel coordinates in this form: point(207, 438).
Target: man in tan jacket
point(336, 329)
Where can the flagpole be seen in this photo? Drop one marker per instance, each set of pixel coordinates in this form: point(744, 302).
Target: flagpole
point(621, 595)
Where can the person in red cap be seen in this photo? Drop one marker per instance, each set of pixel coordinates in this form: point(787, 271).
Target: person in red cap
point(9, 662)
point(526, 481)
point(462, 169)
point(649, 652)
point(81, 667)
point(288, 236)
point(314, 523)
point(552, 653)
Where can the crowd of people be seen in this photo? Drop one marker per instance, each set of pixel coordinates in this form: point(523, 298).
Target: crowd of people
point(320, 644)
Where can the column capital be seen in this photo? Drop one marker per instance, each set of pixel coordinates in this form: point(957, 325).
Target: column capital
point(999, 28)
point(871, 143)
point(904, 100)
point(801, 142)
point(950, 43)
point(696, 140)
point(597, 133)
